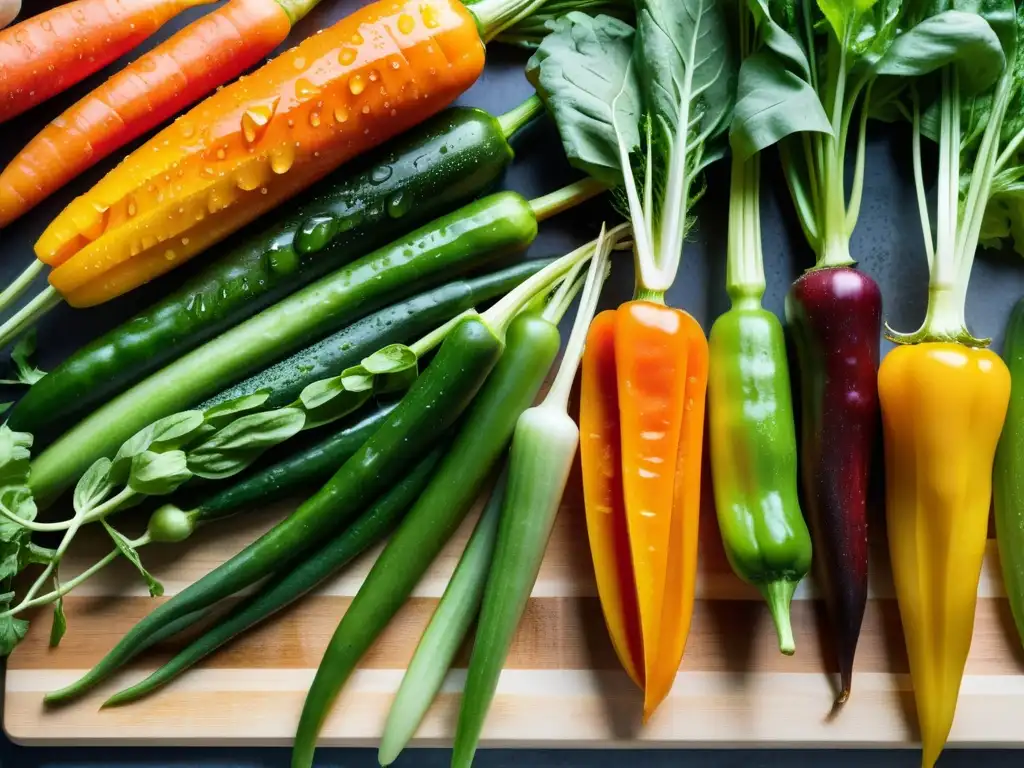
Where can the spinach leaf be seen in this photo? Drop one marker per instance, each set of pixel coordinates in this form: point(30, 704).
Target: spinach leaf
point(583, 72)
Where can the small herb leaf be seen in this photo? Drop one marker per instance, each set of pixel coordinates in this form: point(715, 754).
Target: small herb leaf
point(156, 589)
point(94, 486)
point(241, 442)
point(220, 414)
point(158, 474)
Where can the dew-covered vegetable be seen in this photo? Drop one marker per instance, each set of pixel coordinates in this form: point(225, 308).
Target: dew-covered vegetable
point(485, 229)
point(425, 173)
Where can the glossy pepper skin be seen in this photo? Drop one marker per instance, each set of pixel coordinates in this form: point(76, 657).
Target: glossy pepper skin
point(1008, 478)
point(943, 407)
point(835, 317)
point(754, 457)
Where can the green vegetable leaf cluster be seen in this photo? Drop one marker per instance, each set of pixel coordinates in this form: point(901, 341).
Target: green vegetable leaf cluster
point(25, 372)
point(851, 57)
point(645, 109)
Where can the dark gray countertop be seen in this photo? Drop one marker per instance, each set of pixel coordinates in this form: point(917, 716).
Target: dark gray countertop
point(888, 244)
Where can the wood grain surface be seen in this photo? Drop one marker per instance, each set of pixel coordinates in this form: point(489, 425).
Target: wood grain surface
point(562, 685)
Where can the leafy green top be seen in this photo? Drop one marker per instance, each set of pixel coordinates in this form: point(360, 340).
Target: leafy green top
point(644, 109)
point(844, 55)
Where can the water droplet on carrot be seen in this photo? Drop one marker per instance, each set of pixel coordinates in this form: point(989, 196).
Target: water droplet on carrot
point(299, 62)
point(250, 177)
point(357, 85)
point(187, 129)
point(282, 159)
point(170, 255)
point(347, 56)
point(221, 153)
point(366, 109)
point(305, 89)
point(341, 113)
point(357, 39)
point(133, 207)
point(429, 16)
point(374, 75)
point(185, 241)
point(314, 119)
point(406, 24)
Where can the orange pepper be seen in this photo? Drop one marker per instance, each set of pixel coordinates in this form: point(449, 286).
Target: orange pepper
point(660, 367)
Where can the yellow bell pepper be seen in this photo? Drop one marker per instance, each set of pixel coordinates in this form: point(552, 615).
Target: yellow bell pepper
point(943, 407)
point(944, 399)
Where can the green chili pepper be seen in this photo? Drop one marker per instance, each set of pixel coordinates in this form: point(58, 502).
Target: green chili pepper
point(753, 437)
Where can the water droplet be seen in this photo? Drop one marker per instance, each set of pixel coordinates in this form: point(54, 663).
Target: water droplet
point(347, 56)
point(221, 153)
point(394, 113)
point(444, 149)
point(398, 206)
point(282, 159)
point(283, 261)
point(395, 64)
point(357, 39)
point(314, 119)
point(185, 241)
point(374, 75)
point(170, 255)
point(187, 129)
point(299, 62)
point(254, 122)
point(380, 174)
point(305, 89)
point(429, 15)
point(250, 177)
point(406, 24)
point(356, 85)
point(366, 109)
point(316, 233)
point(340, 113)
point(133, 207)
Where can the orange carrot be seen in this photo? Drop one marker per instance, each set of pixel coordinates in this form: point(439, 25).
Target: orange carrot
point(211, 51)
point(46, 54)
point(601, 458)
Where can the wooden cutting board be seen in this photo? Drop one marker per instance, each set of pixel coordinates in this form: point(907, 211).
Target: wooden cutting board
point(562, 685)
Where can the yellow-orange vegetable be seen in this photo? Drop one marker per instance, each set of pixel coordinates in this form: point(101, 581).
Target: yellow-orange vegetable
point(261, 140)
point(943, 407)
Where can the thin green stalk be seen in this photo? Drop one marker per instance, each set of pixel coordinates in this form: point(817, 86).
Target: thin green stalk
point(27, 316)
point(495, 16)
point(565, 198)
point(13, 291)
point(513, 120)
point(857, 193)
point(922, 200)
point(745, 281)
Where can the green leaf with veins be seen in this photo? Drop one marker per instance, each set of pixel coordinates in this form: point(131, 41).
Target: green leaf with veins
point(222, 413)
point(582, 71)
point(94, 486)
point(847, 17)
point(156, 589)
point(240, 443)
point(12, 630)
point(158, 474)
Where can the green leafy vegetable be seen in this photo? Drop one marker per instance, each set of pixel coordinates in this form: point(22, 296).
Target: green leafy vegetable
point(645, 109)
point(978, 198)
point(850, 55)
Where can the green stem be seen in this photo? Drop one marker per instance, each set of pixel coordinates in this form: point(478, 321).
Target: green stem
point(28, 315)
point(857, 193)
point(21, 284)
point(834, 244)
point(922, 199)
point(647, 294)
point(436, 336)
point(495, 16)
point(515, 119)
point(501, 314)
point(558, 394)
point(779, 596)
point(297, 9)
point(744, 280)
point(565, 198)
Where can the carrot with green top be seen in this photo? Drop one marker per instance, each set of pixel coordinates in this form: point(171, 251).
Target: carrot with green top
point(209, 52)
point(50, 52)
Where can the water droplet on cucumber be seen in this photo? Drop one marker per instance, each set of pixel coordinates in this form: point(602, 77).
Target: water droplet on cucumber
point(316, 233)
point(380, 174)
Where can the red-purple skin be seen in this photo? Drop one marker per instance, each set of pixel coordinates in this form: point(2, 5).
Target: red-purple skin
point(835, 317)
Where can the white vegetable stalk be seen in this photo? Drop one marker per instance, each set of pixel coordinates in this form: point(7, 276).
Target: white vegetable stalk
point(543, 450)
point(445, 633)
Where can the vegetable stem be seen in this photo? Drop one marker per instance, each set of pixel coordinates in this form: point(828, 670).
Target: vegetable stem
point(495, 16)
point(27, 316)
point(558, 394)
point(922, 201)
point(565, 198)
point(745, 281)
point(21, 284)
point(515, 119)
point(297, 9)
